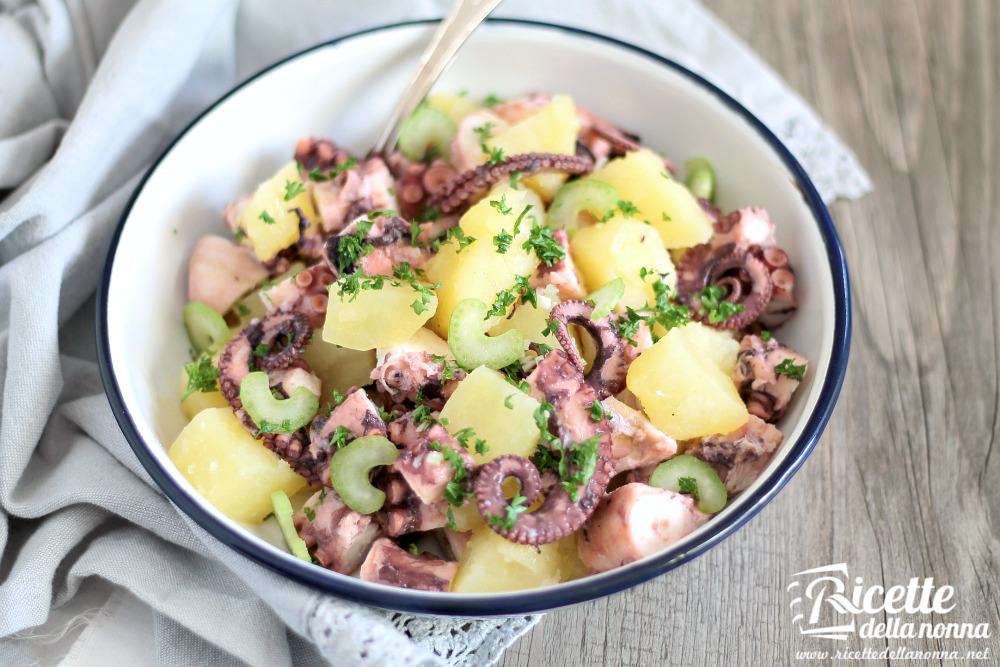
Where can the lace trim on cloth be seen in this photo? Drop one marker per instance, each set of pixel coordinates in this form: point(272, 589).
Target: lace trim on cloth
point(833, 168)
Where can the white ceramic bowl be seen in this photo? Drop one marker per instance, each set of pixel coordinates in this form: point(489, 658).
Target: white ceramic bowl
point(344, 90)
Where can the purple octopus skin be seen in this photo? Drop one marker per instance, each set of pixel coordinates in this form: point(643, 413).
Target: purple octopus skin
point(287, 334)
point(558, 381)
point(745, 278)
point(404, 512)
point(783, 303)
point(766, 392)
point(473, 182)
point(336, 536)
point(740, 456)
point(607, 376)
point(389, 564)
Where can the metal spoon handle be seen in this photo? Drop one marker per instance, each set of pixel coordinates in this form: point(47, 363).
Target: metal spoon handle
point(464, 17)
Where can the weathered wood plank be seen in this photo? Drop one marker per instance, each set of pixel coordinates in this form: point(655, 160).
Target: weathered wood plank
point(905, 482)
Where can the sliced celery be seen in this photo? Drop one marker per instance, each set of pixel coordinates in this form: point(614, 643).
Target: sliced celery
point(283, 513)
point(584, 195)
point(206, 329)
point(700, 178)
point(606, 298)
point(427, 132)
point(472, 347)
point(276, 415)
point(687, 474)
point(349, 469)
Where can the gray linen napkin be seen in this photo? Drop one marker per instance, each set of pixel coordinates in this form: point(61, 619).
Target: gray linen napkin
point(95, 562)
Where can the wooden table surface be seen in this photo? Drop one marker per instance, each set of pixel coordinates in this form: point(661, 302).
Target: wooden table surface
point(906, 480)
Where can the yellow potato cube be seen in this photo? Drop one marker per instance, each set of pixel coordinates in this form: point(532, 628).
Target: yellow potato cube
point(532, 320)
point(234, 472)
point(491, 564)
point(641, 178)
point(478, 270)
point(719, 346)
point(372, 318)
point(454, 106)
point(198, 400)
point(551, 129)
point(683, 391)
point(621, 248)
point(570, 565)
point(269, 219)
point(338, 368)
point(480, 402)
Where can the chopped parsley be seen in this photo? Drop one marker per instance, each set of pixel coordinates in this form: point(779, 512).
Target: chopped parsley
point(627, 325)
point(451, 525)
point(425, 292)
point(492, 100)
point(520, 217)
point(789, 368)
point(502, 241)
point(242, 309)
point(541, 241)
point(310, 514)
point(515, 179)
point(509, 402)
point(481, 447)
point(262, 350)
point(541, 416)
point(627, 208)
point(577, 465)
point(665, 217)
point(266, 217)
point(494, 155)
point(202, 375)
point(385, 415)
point(715, 305)
point(352, 247)
point(352, 284)
point(484, 131)
point(381, 213)
point(336, 398)
point(501, 205)
point(414, 233)
point(463, 436)
point(318, 176)
point(413, 549)
point(517, 505)
point(551, 327)
point(765, 336)
point(688, 485)
point(543, 349)
point(596, 411)
point(429, 214)
point(422, 417)
point(293, 189)
point(340, 437)
point(454, 234)
point(458, 489)
point(506, 298)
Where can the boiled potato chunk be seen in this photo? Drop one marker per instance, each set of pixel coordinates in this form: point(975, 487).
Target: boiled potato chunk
point(338, 368)
point(478, 271)
point(491, 564)
point(621, 248)
point(531, 320)
point(683, 391)
point(641, 178)
point(551, 129)
point(480, 402)
point(454, 106)
point(570, 565)
point(269, 220)
point(234, 472)
point(374, 317)
point(711, 343)
point(198, 400)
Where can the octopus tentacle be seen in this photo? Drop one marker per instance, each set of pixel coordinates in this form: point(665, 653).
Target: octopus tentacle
point(466, 185)
point(745, 279)
point(607, 376)
point(559, 381)
point(287, 334)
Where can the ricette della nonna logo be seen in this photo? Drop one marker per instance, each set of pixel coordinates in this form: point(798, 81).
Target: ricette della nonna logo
point(827, 602)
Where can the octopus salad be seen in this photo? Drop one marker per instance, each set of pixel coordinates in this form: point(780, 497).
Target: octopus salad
point(520, 349)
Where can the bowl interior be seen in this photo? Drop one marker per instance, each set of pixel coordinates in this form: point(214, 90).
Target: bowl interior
point(344, 91)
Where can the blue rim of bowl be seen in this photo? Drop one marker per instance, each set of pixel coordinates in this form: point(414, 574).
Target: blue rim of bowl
point(527, 601)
